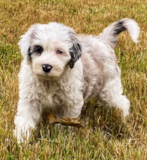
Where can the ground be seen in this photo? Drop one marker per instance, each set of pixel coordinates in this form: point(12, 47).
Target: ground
point(106, 134)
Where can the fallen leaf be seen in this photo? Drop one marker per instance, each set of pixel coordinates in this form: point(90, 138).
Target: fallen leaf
point(52, 119)
point(65, 121)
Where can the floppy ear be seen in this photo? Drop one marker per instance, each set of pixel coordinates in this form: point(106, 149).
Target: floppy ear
point(25, 42)
point(75, 50)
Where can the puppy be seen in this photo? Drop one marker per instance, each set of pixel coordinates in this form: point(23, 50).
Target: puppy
point(61, 71)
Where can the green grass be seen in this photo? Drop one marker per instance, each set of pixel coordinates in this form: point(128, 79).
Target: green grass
point(106, 135)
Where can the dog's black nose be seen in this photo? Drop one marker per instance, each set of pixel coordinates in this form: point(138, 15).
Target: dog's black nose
point(46, 67)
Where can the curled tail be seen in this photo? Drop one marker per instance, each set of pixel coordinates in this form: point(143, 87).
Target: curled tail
point(111, 33)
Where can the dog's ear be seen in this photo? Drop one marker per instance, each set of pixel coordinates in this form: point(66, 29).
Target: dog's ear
point(75, 50)
point(25, 42)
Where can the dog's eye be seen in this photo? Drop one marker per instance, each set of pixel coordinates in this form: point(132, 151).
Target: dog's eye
point(59, 52)
point(38, 49)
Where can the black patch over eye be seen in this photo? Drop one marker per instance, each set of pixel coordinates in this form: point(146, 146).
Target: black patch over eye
point(38, 49)
point(59, 52)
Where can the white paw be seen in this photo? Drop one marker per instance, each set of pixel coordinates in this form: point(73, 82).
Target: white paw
point(21, 134)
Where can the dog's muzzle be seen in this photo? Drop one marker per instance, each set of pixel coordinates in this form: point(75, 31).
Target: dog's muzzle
point(46, 68)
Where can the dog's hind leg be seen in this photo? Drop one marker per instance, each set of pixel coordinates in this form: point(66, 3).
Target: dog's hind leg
point(111, 95)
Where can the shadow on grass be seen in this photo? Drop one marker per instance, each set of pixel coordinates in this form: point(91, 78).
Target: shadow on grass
point(109, 121)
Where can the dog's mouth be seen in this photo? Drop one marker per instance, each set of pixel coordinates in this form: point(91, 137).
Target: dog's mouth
point(47, 76)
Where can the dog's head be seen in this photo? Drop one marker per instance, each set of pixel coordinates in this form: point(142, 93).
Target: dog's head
point(50, 48)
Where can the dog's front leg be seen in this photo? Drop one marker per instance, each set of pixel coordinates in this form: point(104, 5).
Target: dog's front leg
point(27, 116)
point(73, 111)
point(70, 112)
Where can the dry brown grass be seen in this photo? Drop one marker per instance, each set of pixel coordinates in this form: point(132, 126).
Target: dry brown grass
point(106, 135)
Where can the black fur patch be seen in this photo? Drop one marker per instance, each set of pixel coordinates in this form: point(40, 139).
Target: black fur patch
point(75, 53)
point(29, 54)
point(34, 50)
point(119, 27)
point(76, 50)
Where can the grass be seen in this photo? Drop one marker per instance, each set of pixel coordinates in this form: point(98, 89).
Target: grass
point(106, 134)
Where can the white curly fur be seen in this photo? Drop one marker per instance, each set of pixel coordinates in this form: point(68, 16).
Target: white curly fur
point(64, 90)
